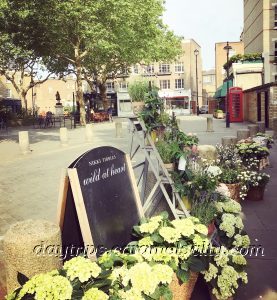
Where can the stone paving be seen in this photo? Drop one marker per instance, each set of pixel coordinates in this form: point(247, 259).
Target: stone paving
point(29, 186)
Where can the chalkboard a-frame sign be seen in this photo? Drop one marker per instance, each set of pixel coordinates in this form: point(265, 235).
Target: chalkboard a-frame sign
point(99, 201)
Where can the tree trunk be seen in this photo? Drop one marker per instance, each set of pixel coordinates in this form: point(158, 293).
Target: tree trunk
point(23, 99)
point(80, 98)
point(103, 95)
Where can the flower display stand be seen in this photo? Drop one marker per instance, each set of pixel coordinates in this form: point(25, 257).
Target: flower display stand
point(183, 290)
point(256, 193)
point(234, 190)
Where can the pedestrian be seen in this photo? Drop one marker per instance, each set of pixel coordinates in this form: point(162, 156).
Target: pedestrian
point(110, 113)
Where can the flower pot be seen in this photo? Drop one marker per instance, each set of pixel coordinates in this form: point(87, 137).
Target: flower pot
point(169, 167)
point(186, 202)
point(256, 193)
point(137, 107)
point(153, 135)
point(211, 228)
point(183, 291)
point(234, 190)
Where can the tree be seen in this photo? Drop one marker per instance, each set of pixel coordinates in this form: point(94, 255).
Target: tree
point(16, 64)
point(91, 37)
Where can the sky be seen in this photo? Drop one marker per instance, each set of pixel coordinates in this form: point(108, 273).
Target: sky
point(207, 22)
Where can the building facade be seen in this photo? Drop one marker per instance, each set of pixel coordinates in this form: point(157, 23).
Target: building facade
point(177, 81)
point(260, 34)
point(208, 79)
point(221, 59)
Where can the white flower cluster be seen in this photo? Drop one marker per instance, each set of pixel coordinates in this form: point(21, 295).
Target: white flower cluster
point(229, 224)
point(143, 279)
point(213, 171)
point(223, 190)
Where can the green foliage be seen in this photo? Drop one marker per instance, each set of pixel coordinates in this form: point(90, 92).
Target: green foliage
point(138, 89)
point(205, 211)
point(229, 176)
point(243, 57)
point(251, 150)
point(166, 151)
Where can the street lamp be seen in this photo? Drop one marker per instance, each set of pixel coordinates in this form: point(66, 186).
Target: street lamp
point(196, 52)
point(227, 48)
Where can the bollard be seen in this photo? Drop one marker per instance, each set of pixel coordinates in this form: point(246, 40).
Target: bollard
point(210, 127)
point(63, 136)
point(261, 126)
point(243, 134)
point(24, 142)
point(229, 140)
point(253, 128)
point(274, 125)
point(118, 130)
point(26, 251)
point(88, 132)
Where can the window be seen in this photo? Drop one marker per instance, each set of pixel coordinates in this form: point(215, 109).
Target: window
point(179, 67)
point(179, 83)
point(110, 86)
point(123, 86)
point(164, 68)
point(209, 79)
point(149, 69)
point(164, 84)
point(135, 69)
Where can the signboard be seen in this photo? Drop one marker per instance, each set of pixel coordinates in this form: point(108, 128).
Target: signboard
point(99, 200)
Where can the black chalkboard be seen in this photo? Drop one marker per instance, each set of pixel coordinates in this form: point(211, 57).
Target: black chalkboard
point(106, 199)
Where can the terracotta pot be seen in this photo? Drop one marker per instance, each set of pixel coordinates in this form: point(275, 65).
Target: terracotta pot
point(211, 228)
point(182, 291)
point(256, 193)
point(234, 190)
point(137, 107)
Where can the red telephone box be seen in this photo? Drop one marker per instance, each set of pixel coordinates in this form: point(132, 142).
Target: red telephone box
point(236, 104)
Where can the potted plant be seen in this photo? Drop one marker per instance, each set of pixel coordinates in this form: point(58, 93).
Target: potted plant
point(254, 184)
point(134, 277)
point(169, 152)
point(137, 91)
point(205, 211)
point(226, 271)
point(186, 238)
point(252, 152)
point(219, 114)
point(230, 178)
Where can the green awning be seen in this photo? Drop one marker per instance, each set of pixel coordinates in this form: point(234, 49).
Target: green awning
point(222, 90)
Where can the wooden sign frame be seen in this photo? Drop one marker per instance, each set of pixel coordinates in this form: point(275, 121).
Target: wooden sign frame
point(70, 179)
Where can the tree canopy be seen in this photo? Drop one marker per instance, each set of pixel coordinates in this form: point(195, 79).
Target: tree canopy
point(91, 37)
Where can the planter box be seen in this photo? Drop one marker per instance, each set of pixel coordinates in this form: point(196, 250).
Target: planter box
point(219, 115)
point(256, 193)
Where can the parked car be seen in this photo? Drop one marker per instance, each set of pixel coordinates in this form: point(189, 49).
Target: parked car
point(204, 109)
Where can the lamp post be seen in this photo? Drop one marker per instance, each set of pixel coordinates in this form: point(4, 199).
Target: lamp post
point(227, 48)
point(196, 52)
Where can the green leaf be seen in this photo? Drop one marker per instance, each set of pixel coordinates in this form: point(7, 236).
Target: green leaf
point(155, 237)
point(196, 264)
point(182, 275)
point(166, 293)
